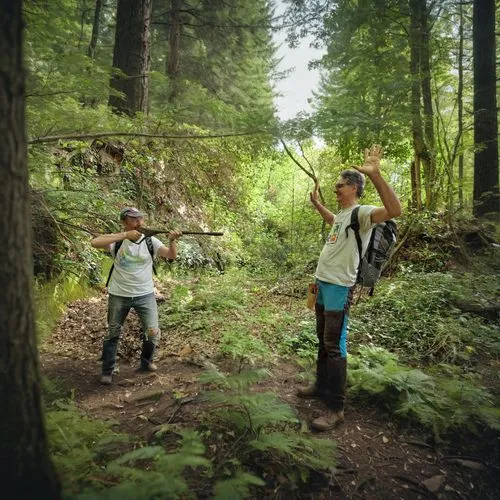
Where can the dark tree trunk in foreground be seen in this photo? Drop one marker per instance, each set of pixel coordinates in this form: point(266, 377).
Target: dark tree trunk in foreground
point(131, 57)
point(486, 193)
point(25, 466)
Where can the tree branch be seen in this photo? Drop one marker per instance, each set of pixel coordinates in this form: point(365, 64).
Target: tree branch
point(310, 174)
point(95, 135)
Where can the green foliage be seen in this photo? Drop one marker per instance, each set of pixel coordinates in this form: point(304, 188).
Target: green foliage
point(89, 456)
point(303, 343)
point(226, 64)
point(297, 448)
point(237, 487)
point(416, 315)
point(76, 442)
point(233, 309)
point(162, 478)
point(51, 299)
point(266, 425)
point(440, 403)
point(243, 346)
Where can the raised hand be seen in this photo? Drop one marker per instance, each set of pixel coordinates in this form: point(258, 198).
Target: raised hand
point(371, 164)
point(314, 195)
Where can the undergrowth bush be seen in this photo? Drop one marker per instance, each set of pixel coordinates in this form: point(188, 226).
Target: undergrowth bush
point(416, 316)
point(95, 462)
point(264, 425)
point(303, 343)
point(232, 309)
point(439, 403)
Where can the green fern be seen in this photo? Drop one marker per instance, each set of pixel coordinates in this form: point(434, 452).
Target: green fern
point(438, 402)
point(266, 425)
point(239, 381)
point(76, 441)
point(237, 487)
point(251, 411)
point(150, 472)
point(314, 453)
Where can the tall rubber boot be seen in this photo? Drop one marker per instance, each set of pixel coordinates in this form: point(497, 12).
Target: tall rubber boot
point(148, 349)
point(109, 348)
point(336, 365)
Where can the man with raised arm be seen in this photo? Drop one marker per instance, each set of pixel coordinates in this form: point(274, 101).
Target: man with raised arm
point(131, 287)
point(336, 274)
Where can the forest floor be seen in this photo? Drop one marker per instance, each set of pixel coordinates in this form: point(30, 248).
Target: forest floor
point(377, 457)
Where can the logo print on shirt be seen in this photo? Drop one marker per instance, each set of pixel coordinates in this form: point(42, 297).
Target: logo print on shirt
point(334, 233)
point(127, 259)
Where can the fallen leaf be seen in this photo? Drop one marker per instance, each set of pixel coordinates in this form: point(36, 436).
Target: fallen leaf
point(185, 351)
point(434, 483)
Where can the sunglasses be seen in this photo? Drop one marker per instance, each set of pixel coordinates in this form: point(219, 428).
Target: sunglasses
point(341, 185)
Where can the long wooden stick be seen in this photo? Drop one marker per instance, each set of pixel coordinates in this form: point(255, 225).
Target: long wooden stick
point(151, 232)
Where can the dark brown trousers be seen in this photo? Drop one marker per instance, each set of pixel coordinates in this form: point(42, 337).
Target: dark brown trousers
point(331, 367)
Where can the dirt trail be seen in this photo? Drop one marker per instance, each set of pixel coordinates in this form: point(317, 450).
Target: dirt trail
point(377, 459)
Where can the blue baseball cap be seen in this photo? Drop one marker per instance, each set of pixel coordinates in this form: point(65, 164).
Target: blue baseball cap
point(130, 212)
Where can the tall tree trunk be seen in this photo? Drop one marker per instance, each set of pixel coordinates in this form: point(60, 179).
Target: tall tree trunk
point(131, 57)
point(174, 49)
point(486, 193)
point(425, 67)
point(95, 29)
point(25, 464)
point(417, 127)
point(460, 100)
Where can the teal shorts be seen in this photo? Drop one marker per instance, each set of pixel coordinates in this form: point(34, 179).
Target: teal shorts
point(336, 298)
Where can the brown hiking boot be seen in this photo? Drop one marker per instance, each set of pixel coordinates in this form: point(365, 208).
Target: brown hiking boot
point(311, 391)
point(328, 421)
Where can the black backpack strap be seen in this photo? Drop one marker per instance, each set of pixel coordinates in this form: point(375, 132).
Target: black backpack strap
point(354, 225)
point(118, 244)
point(149, 244)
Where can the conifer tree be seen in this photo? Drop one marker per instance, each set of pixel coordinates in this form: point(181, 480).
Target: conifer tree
point(486, 192)
point(25, 466)
point(131, 57)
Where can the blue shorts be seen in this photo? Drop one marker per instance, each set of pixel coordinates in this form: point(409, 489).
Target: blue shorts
point(336, 298)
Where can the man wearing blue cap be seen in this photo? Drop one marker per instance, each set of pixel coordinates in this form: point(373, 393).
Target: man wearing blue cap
point(131, 286)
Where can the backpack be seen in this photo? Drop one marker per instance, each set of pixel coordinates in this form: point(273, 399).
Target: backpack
point(380, 248)
point(118, 244)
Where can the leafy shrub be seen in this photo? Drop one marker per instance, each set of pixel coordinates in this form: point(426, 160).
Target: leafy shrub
point(304, 343)
point(415, 316)
point(440, 403)
point(266, 425)
point(90, 456)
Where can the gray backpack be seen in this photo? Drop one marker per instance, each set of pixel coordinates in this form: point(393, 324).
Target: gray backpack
point(382, 243)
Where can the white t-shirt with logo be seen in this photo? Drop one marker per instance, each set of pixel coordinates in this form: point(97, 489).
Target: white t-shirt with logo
point(132, 275)
point(339, 259)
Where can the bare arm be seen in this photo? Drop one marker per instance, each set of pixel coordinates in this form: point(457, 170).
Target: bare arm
point(105, 240)
point(371, 167)
point(328, 217)
point(170, 252)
